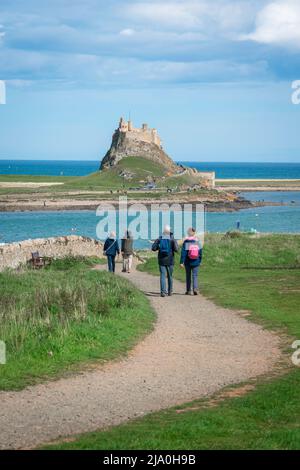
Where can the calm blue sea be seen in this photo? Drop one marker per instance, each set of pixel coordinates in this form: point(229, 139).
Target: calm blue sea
point(16, 226)
point(223, 170)
point(24, 225)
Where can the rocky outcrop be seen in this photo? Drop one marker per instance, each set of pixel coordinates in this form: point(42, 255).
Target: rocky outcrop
point(13, 255)
point(128, 141)
point(124, 145)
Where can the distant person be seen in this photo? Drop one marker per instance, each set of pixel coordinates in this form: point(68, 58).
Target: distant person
point(127, 251)
point(166, 247)
point(191, 257)
point(110, 250)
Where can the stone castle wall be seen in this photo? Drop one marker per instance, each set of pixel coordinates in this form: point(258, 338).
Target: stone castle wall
point(144, 136)
point(16, 254)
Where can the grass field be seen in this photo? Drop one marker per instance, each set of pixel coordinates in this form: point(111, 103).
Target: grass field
point(106, 180)
point(65, 316)
point(34, 179)
point(262, 276)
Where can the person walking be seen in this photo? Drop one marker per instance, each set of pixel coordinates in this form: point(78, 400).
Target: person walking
point(166, 247)
point(110, 250)
point(127, 251)
point(191, 257)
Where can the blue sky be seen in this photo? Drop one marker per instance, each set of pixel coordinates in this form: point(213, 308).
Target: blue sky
point(214, 77)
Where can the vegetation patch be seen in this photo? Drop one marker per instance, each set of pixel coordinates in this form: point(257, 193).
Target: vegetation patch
point(259, 275)
point(130, 172)
point(58, 318)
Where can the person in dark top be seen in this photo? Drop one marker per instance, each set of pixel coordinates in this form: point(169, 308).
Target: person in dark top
point(127, 251)
point(110, 250)
point(166, 247)
point(191, 257)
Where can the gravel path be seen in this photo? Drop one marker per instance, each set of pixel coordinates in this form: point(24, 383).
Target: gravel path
point(195, 349)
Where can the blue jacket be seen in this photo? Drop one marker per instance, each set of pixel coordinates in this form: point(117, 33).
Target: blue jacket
point(111, 247)
point(184, 258)
point(166, 260)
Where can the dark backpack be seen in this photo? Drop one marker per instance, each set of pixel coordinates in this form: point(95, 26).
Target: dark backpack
point(165, 246)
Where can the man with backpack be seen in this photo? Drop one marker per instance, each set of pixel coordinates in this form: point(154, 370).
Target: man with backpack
point(191, 257)
point(166, 247)
point(110, 250)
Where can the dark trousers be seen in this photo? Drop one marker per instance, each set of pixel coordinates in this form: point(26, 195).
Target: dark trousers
point(191, 276)
point(111, 263)
point(166, 271)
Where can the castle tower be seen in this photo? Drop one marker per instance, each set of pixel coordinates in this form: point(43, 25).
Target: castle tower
point(155, 137)
point(123, 125)
point(130, 126)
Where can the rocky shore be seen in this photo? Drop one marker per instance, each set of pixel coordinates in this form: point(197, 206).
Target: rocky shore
point(212, 204)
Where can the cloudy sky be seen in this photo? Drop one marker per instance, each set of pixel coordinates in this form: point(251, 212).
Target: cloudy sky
point(213, 76)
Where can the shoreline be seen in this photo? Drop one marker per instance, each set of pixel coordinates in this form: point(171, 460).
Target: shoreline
point(226, 197)
point(210, 206)
point(257, 185)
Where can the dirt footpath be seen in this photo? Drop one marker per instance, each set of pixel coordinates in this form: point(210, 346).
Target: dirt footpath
point(195, 349)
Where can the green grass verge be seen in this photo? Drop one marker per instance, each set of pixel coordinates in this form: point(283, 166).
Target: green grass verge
point(267, 418)
point(99, 181)
point(56, 319)
point(34, 179)
point(257, 274)
point(140, 169)
point(261, 275)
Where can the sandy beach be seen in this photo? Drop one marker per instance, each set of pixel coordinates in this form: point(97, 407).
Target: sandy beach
point(258, 184)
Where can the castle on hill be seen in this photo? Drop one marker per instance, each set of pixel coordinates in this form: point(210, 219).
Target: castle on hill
point(130, 141)
point(143, 134)
point(144, 142)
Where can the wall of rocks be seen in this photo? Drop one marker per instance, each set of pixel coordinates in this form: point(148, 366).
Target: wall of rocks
point(16, 254)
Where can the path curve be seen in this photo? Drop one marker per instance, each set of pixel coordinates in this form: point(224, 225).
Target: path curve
point(195, 349)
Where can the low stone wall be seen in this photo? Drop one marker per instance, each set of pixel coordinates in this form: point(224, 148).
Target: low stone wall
point(15, 254)
point(209, 177)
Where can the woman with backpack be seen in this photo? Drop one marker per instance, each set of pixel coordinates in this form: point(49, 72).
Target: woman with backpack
point(191, 256)
point(110, 250)
point(127, 251)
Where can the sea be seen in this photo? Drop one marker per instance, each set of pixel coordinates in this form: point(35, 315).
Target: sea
point(223, 169)
point(17, 226)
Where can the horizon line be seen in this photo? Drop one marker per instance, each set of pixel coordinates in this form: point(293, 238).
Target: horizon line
point(176, 161)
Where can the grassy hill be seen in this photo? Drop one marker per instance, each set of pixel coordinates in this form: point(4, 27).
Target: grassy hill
point(137, 169)
point(130, 172)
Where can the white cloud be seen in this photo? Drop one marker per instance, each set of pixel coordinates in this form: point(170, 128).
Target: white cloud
point(139, 42)
point(201, 15)
point(167, 13)
point(278, 23)
point(17, 83)
point(127, 32)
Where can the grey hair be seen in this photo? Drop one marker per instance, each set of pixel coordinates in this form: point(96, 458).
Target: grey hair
point(191, 231)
